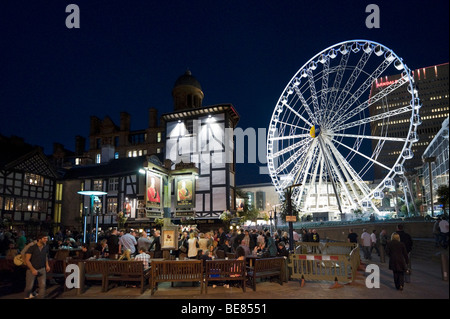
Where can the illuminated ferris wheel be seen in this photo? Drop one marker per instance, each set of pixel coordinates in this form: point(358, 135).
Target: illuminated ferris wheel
point(334, 119)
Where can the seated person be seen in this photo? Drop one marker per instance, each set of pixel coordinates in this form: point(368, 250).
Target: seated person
point(144, 257)
point(12, 251)
point(85, 252)
point(282, 251)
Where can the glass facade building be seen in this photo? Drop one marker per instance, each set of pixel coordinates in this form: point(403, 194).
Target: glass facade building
point(436, 157)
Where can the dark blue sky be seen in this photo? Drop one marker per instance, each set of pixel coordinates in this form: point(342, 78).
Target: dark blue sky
point(127, 55)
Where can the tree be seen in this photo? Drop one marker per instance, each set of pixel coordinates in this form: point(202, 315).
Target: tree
point(443, 196)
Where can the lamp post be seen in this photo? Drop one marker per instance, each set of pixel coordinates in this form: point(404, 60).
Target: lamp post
point(92, 195)
point(289, 207)
point(270, 220)
point(430, 160)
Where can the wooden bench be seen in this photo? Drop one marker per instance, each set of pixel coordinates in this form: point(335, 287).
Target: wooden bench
point(266, 267)
point(92, 270)
point(225, 270)
point(176, 271)
point(57, 269)
point(126, 270)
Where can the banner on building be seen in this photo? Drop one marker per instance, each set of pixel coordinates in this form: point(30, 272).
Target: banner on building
point(185, 191)
point(153, 193)
point(240, 202)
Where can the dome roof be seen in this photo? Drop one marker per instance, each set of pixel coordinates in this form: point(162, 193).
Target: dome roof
point(187, 79)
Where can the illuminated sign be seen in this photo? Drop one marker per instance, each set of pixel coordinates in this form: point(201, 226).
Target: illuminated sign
point(153, 193)
point(185, 191)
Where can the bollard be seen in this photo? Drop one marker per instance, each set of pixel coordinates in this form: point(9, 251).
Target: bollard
point(382, 254)
point(444, 266)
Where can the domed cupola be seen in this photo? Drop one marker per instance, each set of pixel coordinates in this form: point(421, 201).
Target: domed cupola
point(187, 92)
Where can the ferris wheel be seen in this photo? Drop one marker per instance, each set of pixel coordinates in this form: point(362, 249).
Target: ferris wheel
point(335, 123)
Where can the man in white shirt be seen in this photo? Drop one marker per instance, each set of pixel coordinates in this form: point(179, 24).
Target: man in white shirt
point(373, 238)
point(366, 244)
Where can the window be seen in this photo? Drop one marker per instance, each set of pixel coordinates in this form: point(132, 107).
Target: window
point(112, 205)
point(158, 138)
point(113, 184)
point(116, 155)
point(98, 185)
point(9, 203)
point(33, 179)
point(98, 159)
point(59, 188)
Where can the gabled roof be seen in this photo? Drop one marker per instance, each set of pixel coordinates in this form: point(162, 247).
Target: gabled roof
point(15, 154)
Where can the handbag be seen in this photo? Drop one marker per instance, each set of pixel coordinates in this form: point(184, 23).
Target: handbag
point(18, 260)
point(183, 248)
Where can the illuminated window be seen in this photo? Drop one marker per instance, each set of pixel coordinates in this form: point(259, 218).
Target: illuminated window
point(98, 158)
point(158, 138)
point(34, 179)
point(98, 185)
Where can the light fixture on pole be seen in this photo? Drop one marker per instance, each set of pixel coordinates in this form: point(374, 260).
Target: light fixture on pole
point(92, 195)
point(290, 217)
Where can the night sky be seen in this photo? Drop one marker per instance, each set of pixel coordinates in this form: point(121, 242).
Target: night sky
point(127, 55)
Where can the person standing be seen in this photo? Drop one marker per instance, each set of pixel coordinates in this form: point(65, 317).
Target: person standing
point(437, 232)
point(157, 244)
point(222, 237)
point(366, 243)
point(373, 237)
point(406, 239)
point(127, 244)
point(443, 227)
point(36, 260)
point(144, 241)
point(193, 246)
point(398, 260)
point(352, 237)
point(113, 244)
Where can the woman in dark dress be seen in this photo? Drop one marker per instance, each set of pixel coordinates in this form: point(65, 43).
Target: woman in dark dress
point(398, 260)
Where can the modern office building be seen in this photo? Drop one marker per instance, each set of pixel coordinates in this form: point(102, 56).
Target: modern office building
point(436, 157)
point(432, 84)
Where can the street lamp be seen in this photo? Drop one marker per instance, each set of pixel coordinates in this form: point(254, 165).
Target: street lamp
point(289, 207)
point(270, 219)
point(430, 160)
point(93, 195)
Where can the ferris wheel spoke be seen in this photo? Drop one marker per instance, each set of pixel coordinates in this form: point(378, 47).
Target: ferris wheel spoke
point(363, 155)
point(305, 171)
point(329, 162)
point(354, 177)
point(325, 77)
point(291, 159)
point(349, 84)
point(298, 167)
point(305, 104)
point(293, 125)
point(364, 86)
point(372, 100)
point(370, 137)
point(374, 118)
point(297, 114)
point(315, 100)
point(288, 137)
point(337, 81)
point(290, 148)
